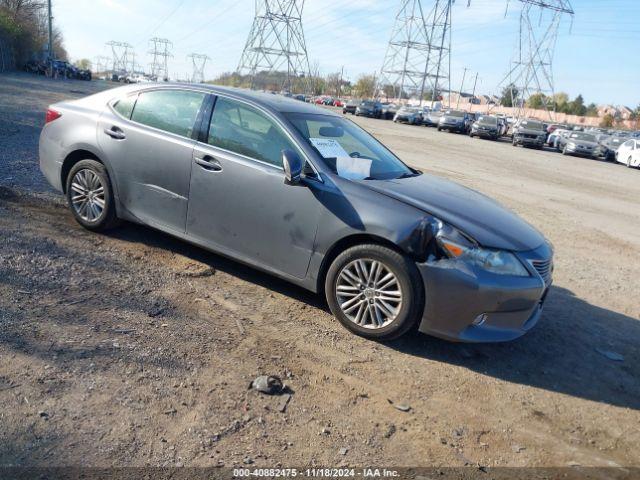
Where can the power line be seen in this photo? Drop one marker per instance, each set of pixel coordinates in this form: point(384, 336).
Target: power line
point(163, 21)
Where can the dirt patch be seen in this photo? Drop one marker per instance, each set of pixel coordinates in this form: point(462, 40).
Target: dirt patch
point(134, 348)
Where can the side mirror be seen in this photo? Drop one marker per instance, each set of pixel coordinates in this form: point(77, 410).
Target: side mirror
point(293, 166)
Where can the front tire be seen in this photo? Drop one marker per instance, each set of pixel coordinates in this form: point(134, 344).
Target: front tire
point(90, 196)
point(375, 292)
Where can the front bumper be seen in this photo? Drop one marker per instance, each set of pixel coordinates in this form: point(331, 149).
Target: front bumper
point(581, 152)
point(404, 119)
point(502, 307)
point(452, 127)
point(485, 133)
point(529, 142)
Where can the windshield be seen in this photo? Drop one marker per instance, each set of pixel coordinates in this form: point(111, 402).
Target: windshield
point(454, 113)
point(584, 137)
point(347, 149)
point(531, 125)
point(488, 121)
point(368, 104)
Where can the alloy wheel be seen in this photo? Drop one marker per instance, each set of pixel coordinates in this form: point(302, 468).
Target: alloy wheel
point(369, 293)
point(87, 196)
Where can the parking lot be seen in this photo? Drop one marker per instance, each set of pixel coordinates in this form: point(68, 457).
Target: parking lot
point(136, 349)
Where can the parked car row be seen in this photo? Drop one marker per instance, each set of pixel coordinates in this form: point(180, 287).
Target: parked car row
point(575, 140)
point(614, 146)
point(58, 69)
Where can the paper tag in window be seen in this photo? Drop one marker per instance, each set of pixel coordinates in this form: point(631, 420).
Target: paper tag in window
point(353, 168)
point(328, 147)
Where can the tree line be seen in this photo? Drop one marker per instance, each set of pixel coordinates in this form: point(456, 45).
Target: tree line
point(24, 24)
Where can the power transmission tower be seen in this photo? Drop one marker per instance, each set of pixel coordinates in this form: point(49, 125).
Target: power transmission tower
point(418, 57)
point(161, 54)
point(199, 63)
point(532, 69)
point(120, 55)
point(101, 64)
point(276, 42)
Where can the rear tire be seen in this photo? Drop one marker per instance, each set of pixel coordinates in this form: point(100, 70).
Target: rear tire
point(366, 303)
point(90, 196)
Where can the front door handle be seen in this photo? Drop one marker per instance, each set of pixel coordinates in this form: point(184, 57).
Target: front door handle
point(209, 163)
point(115, 133)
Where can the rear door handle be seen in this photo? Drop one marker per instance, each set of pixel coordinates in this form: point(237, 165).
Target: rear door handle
point(209, 163)
point(115, 133)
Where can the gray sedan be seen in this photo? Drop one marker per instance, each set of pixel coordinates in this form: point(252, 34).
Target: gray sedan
point(306, 195)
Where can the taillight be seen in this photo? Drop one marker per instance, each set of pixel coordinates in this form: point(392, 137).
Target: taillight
point(51, 116)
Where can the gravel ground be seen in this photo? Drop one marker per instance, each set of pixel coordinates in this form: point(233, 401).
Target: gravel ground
point(136, 349)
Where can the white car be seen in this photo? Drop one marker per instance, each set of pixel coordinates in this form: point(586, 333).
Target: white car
point(136, 78)
point(554, 137)
point(629, 153)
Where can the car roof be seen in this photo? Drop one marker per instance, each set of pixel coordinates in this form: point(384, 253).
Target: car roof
point(275, 102)
point(269, 101)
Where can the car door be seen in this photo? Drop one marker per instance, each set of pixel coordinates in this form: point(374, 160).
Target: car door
point(147, 140)
point(239, 203)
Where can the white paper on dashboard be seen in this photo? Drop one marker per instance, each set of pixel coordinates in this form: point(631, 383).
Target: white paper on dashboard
point(353, 168)
point(328, 147)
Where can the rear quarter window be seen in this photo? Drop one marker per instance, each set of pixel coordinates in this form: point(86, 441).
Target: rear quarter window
point(124, 106)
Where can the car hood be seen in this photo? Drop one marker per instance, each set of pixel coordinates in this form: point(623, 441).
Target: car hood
point(451, 119)
point(473, 213)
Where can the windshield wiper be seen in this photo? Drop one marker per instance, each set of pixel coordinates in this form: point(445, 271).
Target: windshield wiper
point(407, 175)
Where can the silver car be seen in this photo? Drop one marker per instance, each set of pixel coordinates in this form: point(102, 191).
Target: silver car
point(306, 195)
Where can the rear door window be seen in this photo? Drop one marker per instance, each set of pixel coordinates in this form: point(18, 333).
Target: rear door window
point(173, 111)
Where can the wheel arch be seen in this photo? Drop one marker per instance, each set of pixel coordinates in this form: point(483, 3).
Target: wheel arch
point(344, 244)
point(71, 159)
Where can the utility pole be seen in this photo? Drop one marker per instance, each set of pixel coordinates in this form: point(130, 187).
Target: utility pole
point(475, 83)
point(50, 24)
point(340, 82)
point(419, 51)
point(464, 75)
point(532, 69)
point(276, 43)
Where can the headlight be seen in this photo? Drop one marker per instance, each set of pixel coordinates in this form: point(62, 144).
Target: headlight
point(500, 262)
point(571, 145)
